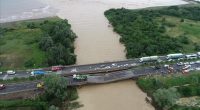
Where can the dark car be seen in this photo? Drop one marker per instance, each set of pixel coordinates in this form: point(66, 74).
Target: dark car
point(2, 86)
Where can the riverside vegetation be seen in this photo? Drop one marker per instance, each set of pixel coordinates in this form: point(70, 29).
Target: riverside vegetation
point(56, 96)
point(157, 31)
point(172, 91)
point(36, 43)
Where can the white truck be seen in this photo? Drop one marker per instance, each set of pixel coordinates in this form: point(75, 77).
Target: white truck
point(175, 56)
point(149, 59)
point(191, 56)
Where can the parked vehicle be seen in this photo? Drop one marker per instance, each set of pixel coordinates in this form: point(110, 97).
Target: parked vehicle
point(11, 72)
point(2, 86)
point(1, 72)
point(56, 68)
point(37, 72)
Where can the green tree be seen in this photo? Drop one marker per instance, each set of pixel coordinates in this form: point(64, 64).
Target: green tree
point(55, 87)
point(166, 98)
point(45, 43)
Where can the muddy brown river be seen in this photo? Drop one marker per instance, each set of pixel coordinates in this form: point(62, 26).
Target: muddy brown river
point(96, 43)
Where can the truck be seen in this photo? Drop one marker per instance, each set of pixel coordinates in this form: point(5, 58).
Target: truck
point(175, 56)
point(191, 56)
point(78, 77)
point(149, 59)
point(37, 72)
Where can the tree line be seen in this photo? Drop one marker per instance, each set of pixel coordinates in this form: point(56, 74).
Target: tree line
point(143, 35)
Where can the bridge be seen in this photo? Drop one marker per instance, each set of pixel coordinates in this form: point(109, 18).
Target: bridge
point(100, 78)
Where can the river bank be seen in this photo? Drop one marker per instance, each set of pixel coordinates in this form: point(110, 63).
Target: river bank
point(97, 42)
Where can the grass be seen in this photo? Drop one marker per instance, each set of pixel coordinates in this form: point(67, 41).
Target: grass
point(190, 28)
point(189, 101)
point(20, 44)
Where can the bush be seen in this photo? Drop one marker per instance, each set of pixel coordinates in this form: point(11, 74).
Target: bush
point(166, 98)
point(29, 63)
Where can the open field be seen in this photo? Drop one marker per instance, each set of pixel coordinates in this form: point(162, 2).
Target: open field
point(190, 28)
point(19, 43)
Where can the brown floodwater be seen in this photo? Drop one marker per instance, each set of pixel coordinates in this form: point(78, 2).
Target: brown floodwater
point(123, 95)
point(97, 42)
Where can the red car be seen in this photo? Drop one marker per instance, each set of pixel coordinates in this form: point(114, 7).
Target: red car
point(2, 86)
point(56, 68)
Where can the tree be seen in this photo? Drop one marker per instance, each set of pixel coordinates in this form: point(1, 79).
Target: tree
point(166, 98)
point(55, 87)
point(45, 43)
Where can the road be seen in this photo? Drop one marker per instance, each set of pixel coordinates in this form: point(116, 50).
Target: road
point(90, 68)
point(103, 78)
point(78, 69)
point(17, 87)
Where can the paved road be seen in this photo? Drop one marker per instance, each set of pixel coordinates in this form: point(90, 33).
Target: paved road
point(90, 68)
point(17, 87)
point(101, 78)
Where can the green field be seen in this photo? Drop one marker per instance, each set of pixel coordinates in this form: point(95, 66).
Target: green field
point(190, 28)
point(19, 43)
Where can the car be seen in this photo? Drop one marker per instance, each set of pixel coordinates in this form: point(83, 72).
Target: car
point(56, 68)
point(197, 61)
point(113, 64)
point(11, 72)
point(2, 86)
point(186, 63)
point(180, 63)
point(40, 85)
point(186, 67)
point(166, 65)
point(74, 70)
point(1, 72)
point(191, 63)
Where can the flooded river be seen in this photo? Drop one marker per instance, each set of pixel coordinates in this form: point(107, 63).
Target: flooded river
point(123, 95)
point(97, 42)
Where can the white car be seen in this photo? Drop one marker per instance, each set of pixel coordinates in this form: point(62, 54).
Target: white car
point(1, 72)
point(197, 61)
point(74, 70)
point(191, 63)
point(11, 72)
point(180, 63)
